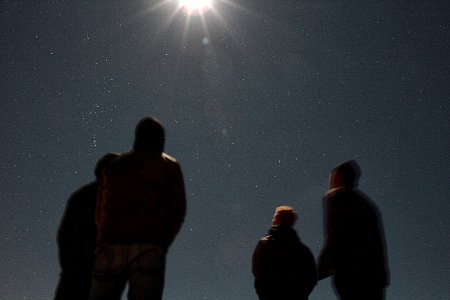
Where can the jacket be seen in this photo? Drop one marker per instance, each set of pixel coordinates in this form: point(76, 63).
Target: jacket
point(76, 233)
point(283, 267)
point(354, 240)
point(141, 200)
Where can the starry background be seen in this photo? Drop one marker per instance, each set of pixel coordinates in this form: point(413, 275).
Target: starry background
point(259, 101)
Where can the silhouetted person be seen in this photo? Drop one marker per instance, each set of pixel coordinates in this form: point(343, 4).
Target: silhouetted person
point(76, 239)
point(140, 209)
point(283, 267)
point(354, 251)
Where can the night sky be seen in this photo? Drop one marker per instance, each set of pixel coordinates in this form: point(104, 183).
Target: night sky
point(260, 100)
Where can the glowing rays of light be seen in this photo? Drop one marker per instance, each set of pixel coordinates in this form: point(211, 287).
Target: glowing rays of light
point(195, 6)
point(202, 10)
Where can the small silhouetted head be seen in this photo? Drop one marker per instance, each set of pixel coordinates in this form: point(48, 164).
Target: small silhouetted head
point(345, 174)
point(284, 215)
point(102, 162)
point(149, 135)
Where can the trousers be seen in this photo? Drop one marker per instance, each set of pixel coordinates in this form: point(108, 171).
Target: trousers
point(142, 266)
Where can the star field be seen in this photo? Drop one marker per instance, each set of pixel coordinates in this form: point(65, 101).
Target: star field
point(260, 100)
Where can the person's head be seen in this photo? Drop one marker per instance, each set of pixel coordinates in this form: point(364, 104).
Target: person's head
point(284, 215)
point(102, 162)
point(345, 174)
point(149, 135)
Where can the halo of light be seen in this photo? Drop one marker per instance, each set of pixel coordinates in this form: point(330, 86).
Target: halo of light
point(195, 6)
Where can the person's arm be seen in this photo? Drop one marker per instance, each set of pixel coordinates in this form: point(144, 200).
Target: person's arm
point(64, 235)
point(325, 264)
point(257, 260)
point(177, 201)
point(311, 268)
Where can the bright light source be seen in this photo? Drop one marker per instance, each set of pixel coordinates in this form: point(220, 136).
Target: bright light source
point(195, 6)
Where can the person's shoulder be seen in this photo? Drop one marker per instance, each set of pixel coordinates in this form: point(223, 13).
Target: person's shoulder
point(303, 247)
point(168, 158)
point(84, 192)
point(121, 158)
point(265, 241)
point(86, 188)
point(339, 197)
point(339, 192)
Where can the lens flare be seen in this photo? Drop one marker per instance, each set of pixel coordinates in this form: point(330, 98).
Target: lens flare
point(195, 6)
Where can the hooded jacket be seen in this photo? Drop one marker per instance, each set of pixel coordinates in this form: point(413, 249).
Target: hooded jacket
point(355, 250)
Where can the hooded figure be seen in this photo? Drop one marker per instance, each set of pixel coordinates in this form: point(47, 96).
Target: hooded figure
point(354, 252)
point(140, 209)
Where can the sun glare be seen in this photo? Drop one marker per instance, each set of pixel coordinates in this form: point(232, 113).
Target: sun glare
point(195, 6)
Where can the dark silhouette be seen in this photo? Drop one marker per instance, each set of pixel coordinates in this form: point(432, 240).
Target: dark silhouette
point(140, 209)
point(283, 267)
point(76, 239)
point(355, 250)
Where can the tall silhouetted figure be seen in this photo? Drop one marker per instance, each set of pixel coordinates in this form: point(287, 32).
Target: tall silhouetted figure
point(354, 251)
point(76, 239)
point(140, 209)
point(283, 267)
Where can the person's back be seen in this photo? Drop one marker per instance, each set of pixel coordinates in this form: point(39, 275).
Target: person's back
point(76, 239)
point(357, 238)
point(141, 202)
point(354, 252)
point(283, 267)
point(76, 244)
point(140, 209)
